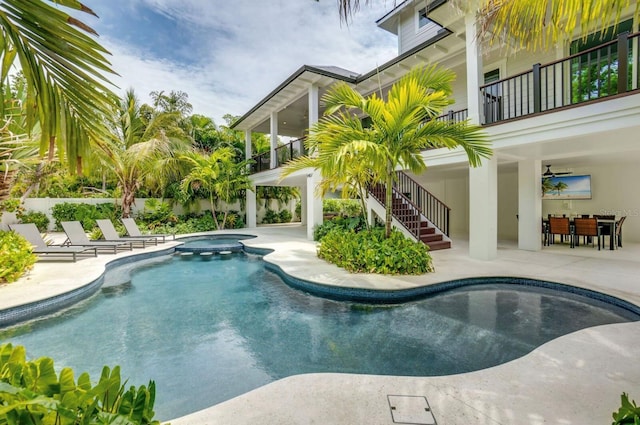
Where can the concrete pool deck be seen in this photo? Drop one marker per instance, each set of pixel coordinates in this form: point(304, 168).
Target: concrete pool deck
point(574, 379)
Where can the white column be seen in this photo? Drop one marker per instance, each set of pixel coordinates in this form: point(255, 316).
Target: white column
point(303, 204)
point(248, 151)
point(314, 104)
point(274, 138)
point(475, 77)
point(251, 208)
point(529, 205)
point(483, 210)
point(314, 203)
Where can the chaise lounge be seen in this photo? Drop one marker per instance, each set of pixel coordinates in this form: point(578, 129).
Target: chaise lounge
point(134, 232)
point(30, 232)
point(111, 234)
point(76, 236)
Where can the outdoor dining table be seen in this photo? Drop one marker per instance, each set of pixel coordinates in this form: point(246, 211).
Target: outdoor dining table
point(610, 223)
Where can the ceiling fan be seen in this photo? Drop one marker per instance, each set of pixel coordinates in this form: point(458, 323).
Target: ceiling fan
point(550, 173)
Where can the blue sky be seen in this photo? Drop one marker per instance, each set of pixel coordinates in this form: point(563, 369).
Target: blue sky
point(227, 55)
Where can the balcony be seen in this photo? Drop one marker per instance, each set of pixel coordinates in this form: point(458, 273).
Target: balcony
point(284, 153)
point(603, 71)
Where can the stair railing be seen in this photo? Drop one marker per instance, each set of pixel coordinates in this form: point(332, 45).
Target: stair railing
point(436, 211)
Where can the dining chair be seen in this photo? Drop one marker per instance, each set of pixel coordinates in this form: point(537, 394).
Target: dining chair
point(559, 226)
point(587, 228)
point(607, 230)
point(618, 232)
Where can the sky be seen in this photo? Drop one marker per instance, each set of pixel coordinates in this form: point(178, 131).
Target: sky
point(229, 54)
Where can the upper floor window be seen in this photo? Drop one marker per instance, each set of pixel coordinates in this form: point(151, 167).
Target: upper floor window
point(422, 18)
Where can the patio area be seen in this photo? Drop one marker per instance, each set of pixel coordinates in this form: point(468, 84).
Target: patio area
point(575, 379)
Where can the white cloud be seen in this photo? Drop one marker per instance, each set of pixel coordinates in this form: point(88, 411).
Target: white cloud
point(246, 48)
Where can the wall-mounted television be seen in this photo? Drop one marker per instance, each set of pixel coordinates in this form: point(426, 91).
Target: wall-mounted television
point(566, 187)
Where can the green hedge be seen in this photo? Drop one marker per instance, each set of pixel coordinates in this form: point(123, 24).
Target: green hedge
point(369, 252)
point(17, 257)
point(38, 218)
point(87, 214)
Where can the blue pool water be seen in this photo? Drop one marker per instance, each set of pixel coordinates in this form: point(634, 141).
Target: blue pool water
point(209, 331)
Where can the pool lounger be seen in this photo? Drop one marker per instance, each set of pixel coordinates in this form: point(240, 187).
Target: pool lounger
point(76, 236)
point(133, 231)
point(31, 233)
point(111, 234)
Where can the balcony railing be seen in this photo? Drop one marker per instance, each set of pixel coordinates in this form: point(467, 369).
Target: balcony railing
point(284, 154)
point(608, 69)
point(454, 116)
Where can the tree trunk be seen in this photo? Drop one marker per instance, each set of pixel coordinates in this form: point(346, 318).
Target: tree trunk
point(52, 147)
point(36, 181)
point(388, 202)
point(79, 165)
point(128, 198)
point(7, 179)
point(213, 212)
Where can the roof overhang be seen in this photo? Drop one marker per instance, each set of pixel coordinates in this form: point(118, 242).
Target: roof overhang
point(389, 22)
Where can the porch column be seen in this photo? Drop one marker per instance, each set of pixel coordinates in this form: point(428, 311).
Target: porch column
point(475, 77)
point(251, 208)
point(303, 206)
point(248, 151)
point(314, 103)
point(274, 139)
point(529, 205)
point(483, 210)
point(314, 203)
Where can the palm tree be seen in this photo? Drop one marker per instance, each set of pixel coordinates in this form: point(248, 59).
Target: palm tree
point(559, 187)
point(140, 152)
point(218, 176)
point(543, 23)
point(534, 23)
point(65, 71)
point(401, 128)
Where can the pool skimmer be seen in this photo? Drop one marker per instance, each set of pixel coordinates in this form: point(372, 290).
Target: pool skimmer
point(411, 409)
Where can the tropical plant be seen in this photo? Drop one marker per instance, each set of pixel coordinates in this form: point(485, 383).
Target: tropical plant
point(38, 218)
point(533, 23)
point(537, 24)
point(401, 127)
point(17, 257)
point(219, 177)
point(65, 71)
point(370, 251)
point(86, 214)
point(628, 413)
point(32, 393)
point(140, 153)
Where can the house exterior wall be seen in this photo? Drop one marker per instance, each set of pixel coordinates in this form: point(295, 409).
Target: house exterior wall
point(409, 35)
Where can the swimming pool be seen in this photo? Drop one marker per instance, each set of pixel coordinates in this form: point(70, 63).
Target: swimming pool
point(208, 331)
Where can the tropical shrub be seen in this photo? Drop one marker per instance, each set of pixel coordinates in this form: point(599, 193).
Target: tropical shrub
point(352, 223)
point(87, 214)
point(32, 393)
point(285, 216)
point(11, 205)
point(342, 207)
point(38, 218)
point(270, 217)
point(369, 251)
point(156, 213)
point(17, 258)
point(628, 413)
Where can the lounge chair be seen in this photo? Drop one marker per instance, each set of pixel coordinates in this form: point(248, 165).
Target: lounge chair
point(111, 234)
point(31, 233)
point(77, 236)
point(134, 231)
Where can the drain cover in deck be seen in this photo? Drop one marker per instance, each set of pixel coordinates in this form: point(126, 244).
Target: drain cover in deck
point(409, 409)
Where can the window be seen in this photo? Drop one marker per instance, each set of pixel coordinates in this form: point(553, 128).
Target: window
point(595, 74)
point(422, 18)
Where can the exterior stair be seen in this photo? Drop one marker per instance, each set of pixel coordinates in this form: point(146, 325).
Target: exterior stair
point(412, 219)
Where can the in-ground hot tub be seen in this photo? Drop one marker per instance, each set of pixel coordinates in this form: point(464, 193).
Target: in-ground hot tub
point(212, 243)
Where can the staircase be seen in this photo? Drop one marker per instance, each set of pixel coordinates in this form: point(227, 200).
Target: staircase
point(411, 217)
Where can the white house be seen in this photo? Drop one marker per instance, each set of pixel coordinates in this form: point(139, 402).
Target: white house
point(575, 108)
